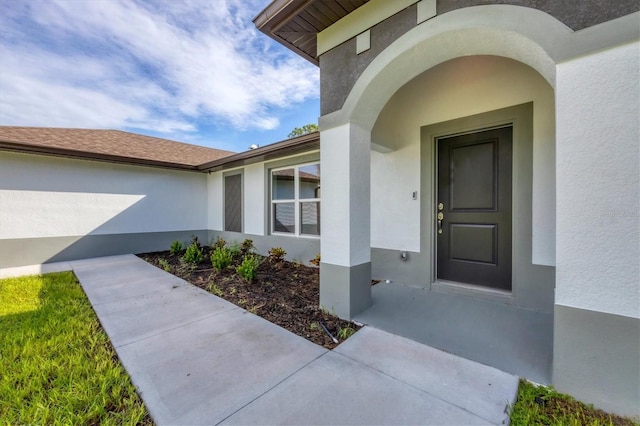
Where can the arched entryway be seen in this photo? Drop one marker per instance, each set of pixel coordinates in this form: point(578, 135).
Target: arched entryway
point(445, 78)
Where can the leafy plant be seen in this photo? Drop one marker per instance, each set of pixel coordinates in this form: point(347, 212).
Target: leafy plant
point(277, 254)
point(193, 255)
point(175, 248)
point(247, 269)
point(235, 249)
point(345, 332)
point(215, 289)
point(219, 243)
point(164, 264)
point(316, 260)
point(221, 258)
point(247, 246)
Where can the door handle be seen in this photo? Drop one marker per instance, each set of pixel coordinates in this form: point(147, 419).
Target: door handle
point(440, 220)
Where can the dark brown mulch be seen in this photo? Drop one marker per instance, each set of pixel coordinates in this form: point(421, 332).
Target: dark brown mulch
point(285, 293)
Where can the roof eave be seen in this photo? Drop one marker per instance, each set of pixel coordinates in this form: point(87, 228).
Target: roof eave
point(277, 14)
point(83, 155)
point(304, 143)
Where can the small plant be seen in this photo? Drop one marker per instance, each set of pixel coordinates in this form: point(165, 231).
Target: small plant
point(235, 249)
point(164, 264)
point(247, 247)
point(215, 289)
point(175, 248)
point(247, 269)
point(346, 332)
point(314, 326)
point(221, 258)
point(219, 243)
point(316, 260)
point(193, 254)
point(277, 254)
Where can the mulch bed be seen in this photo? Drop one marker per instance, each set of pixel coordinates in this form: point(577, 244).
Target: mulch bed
point(284, 293)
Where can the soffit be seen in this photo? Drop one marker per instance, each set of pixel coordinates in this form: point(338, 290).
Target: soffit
point(296, 23)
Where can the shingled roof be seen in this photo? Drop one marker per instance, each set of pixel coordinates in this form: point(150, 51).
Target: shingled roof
point(108, 145)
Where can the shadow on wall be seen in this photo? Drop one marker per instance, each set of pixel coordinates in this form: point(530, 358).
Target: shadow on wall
point(90, 222)
point(58, 209)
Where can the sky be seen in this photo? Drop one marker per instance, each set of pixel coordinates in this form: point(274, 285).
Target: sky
point(196, 71)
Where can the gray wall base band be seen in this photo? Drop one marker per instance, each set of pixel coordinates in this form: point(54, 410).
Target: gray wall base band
point(597, 355)
point(35, 251)
point(299, 249)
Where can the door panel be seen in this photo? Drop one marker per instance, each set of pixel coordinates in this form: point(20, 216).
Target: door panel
point(473, 243)
point(475, 184)
point(474, 193)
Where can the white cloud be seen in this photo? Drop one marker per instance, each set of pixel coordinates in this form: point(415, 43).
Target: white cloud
point(161, 66)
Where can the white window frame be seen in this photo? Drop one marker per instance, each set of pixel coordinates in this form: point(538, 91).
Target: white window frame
point(297, 201)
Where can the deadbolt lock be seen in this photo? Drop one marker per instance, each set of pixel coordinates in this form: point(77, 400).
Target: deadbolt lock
point(440, 206)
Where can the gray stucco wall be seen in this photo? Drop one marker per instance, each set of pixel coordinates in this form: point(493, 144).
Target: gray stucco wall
point(341, 67)
point(574, 14)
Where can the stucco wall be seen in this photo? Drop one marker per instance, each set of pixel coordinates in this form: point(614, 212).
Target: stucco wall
point(341, 67)
point(255, 210)
point(57, 202)
point(598, 211)
point(459, 88)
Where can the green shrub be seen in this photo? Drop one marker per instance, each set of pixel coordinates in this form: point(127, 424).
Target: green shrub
point(176, 247)
point(277, 254)
point(164, 264)
point(193, 254)
point(221, 258)
point(248, 267)
point(346, 332)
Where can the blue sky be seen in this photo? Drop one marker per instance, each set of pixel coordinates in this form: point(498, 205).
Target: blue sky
point(195, 71)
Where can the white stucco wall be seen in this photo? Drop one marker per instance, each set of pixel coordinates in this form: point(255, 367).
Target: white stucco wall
point(254, 199)
point(458, 88)
point(598, 175)
point(345, 162)
point(215, 204)
point(44, 196)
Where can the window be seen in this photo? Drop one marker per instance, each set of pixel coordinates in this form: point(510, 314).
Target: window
point(295, 200)
point(233, 203)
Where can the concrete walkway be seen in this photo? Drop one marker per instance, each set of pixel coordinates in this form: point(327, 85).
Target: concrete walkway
point(197, 359)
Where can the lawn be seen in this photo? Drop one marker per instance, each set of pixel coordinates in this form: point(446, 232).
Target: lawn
point(57, 365)
point(540, 405)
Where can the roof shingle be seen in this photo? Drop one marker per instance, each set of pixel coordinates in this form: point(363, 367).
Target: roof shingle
point(109, 145)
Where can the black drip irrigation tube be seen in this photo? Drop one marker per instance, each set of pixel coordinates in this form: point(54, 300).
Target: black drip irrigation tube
point(327, 331)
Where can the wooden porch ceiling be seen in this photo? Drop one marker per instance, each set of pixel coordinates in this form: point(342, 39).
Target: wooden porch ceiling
point(296, 23)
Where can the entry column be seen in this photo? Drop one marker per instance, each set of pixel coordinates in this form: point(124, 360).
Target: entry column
point(345, 270)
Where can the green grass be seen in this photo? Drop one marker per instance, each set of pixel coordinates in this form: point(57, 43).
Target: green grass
point(540, 405)
point(57, 365)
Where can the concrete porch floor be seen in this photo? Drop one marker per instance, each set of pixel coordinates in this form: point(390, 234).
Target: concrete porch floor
point(514, 340)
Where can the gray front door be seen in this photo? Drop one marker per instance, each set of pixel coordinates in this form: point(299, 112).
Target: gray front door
point(474, 208)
